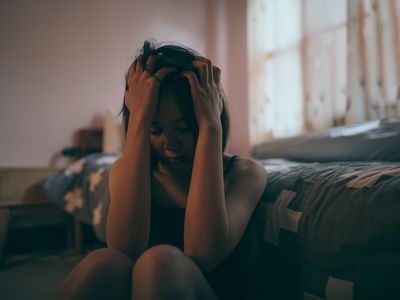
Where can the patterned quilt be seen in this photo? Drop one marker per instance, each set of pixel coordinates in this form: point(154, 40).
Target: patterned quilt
point(320, 231)
point(327, 231)
point(82, 190)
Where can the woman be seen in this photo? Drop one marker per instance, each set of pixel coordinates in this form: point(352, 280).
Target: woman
point(179, 204)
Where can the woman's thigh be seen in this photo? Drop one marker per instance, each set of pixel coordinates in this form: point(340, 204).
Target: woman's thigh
point(102, 274)
point(165, 272)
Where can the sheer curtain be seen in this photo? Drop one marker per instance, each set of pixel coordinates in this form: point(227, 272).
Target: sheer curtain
point(315, 64)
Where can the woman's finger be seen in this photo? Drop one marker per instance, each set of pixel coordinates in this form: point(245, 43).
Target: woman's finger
point(126, 97)
point(201, 67)
point(130, 75)
point(193, 81)
point(131, 69)
point(138, 65)
point(216, 75)
point(160, 74)
point(210, 75)
point(150, 65)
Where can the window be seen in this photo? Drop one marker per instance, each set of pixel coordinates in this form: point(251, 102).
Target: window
point(315, 64)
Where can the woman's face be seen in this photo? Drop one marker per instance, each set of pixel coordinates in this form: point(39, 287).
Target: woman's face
point(171, 137)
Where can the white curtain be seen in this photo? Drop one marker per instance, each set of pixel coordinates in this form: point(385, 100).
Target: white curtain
point(315, 64)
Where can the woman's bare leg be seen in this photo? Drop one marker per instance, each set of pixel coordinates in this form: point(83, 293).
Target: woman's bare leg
point(102, 274)
point(165, 272)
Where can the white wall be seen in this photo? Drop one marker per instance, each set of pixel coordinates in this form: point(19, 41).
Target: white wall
point(62, 64)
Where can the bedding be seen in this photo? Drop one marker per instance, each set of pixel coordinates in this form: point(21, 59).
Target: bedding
point(81, 189)
point(328, 231)
point(320, 229)
point(377, 140)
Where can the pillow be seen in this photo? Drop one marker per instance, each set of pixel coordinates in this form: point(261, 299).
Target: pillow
point(374, 140)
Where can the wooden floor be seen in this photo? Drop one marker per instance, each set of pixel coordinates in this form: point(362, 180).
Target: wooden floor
point(38, 260)
point(35, 275)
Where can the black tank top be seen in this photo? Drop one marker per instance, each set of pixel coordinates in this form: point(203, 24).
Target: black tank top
point(167, 223)
point(167, 226)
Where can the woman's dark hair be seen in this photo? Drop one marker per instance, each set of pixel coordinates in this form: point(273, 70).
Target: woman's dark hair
point(181, 58)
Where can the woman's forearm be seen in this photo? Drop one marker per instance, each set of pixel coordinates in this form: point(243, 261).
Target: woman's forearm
point(128, 222)
point(206, 221)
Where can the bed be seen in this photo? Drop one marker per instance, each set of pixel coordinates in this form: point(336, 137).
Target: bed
point(323, 229)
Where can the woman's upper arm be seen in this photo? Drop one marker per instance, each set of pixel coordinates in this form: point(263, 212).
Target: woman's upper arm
point(241, 196)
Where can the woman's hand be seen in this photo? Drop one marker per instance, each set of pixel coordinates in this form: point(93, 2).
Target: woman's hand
point(141, 98)
point(206, 93)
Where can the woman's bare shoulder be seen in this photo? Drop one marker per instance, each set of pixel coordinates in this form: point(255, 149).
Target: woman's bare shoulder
point(243, 163)
point(245, 167)
point(247, 183)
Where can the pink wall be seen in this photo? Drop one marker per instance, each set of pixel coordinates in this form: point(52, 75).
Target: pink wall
point(62, 64)
point(227, 47)
point(238, 77)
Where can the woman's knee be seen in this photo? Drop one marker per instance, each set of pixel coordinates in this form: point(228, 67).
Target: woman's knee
point(105, 260)
point(100, 269)
point(164, 272)
point(163, 257)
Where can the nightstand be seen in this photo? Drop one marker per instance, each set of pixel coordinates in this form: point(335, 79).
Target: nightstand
point(24, 205)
